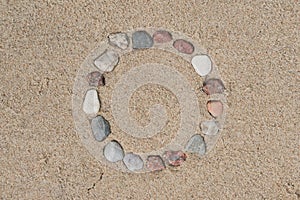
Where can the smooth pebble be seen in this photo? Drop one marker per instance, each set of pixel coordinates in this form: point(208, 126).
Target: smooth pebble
point(202, 64)
point(162, 36)
point(133, 162)
point(174, 158)
point(95, 79)
point(100, 128)
point(91, 103)
point(107, 61)
point(209, 127)
point(113, 151)
point(119, 40)
point(196, 145)
point(183, 46)
point(215, 108)
point(141, 40)
point(213, 86)
point(155, 163)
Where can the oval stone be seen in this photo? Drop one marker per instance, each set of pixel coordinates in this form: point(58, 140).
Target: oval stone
point(100, 128)
point(107, 61)
point(215, 108)
point(95, 79)
point(183, 46)
point(196, 145)
point(162, 36)
point(133, 162)
point(113, 151)
point(120, 40)
point(174, 158)
point(91, 103)
point(213, 86)
point(202, 64)
point(209, 127)
point(155, 163)
point(141, 40)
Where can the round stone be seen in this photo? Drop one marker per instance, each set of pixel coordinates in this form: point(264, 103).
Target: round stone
point(100, 128)
point(162, 36)
point(213, 86)
point(107, 61)
point(215, 108)
point(133, 162)
point(141, 40)
point(174, 158)
point(95, 79)
point(113, 151)
point(183, 46)
point(202, 64)
point(91, 103)
point(155, 163)
point(119, 40)
point(196, 145)
point(209, 127)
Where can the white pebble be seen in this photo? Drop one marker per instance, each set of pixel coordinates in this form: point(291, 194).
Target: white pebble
point(202, 64)
point(107, 61)
point(133, 162)
point(91, 103)
point(209, 127)
point(113, 151)
point(120, 40)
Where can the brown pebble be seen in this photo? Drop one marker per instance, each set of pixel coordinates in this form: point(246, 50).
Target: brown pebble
point(95, 79)
point(215, 108)
point(183, 46)
point(162, 36)
point(155, 163)
point(174, 158)
point(213, 86)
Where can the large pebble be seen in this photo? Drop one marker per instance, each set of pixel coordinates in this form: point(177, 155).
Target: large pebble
point(183, 46)
point(133, 162)
point(174, 158)
point(95, 79)
point(202, 64)
point(120, 40)
point(213, 86)
point(209, 127)
point(100, 128)
point(107, 61)
point(215, 108)
point(196, 145)
point(162, 36)
point(91, 103)
point(113, 151)
point(141, 40)
point(155, 163)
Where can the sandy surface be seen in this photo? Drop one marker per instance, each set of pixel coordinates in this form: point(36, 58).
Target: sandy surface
point(255, 44)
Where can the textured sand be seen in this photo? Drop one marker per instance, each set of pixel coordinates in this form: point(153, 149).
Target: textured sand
point(255, 45)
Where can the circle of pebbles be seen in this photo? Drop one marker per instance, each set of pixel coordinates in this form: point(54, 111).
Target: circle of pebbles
point(94, 130)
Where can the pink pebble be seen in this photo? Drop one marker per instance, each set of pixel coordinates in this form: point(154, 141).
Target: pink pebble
point(174, 158)
point(155, 163)
point(183, 46)
point(95, 79)
point(162, 36)
point(215, 108)
point(213, 86)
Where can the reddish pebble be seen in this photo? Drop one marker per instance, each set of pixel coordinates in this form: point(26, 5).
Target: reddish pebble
point(183, 46)
point(215, 108)
point(155, 163)
point(213, 86)
point(162, 36)
point(95, 79)
point(174, 158)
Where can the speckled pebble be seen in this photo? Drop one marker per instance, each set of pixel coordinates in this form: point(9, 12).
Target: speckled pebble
point(141, 40)
point(162, 36)
point(120, 40)
point(155, 163)
point(202, 64)
point(213, 86)
point(196, 145)
point(113, 151)
point(91, 103)
point(100, 128)
point(107, 61)
point(133, 162)
point(174, 158)
point(183, 46)
point(215, 108)
point(95, 79)
point(209, 127)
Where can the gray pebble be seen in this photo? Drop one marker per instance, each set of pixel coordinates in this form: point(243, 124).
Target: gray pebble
point(196, 145)
point(141, 40)
point(133, 162)
point(100, 128)
point(113, 151)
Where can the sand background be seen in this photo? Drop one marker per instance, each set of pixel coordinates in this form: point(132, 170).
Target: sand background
point(255, 45)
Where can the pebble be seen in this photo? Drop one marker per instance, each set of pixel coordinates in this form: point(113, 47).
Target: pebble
point(174, 158)
point(155, 163)
point(183, 46)
point(162, 36)
point(141, 40)
point(215, 108)
point(120, 40)
point(107, 61)
point(113, 151)
point(209, 127)
point(91, 103)
point(133, 162)
point(95, 79)
point(196, 145)
point(202, 64)
point(100, 128)
point(213, 86)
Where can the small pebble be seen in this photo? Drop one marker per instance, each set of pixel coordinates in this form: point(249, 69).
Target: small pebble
point(202, 64)
point(213, 86)
point(196, 145)
point(141, 40)
point(107, 61)
point(209, 127)
point(174, 158)
point(133, 162)
point(120, 40)
point(215, 108)
point(100, 128)
point(95, 79)
point(91, 103)
point(183, 46)
point(113, 151)
point(162, 36)
point(155, 163)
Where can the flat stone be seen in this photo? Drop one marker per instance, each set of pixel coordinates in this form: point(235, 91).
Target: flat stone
point(133, 162)
point(215, 108)
point(100, 128)
point(113, 151)
point(183, 46)
point(196, 145)
point(91, 103)
point(209, 127)
point(95, 79)
point(141, 40)
point(120, 40)
point(155, 163)
point(107, 61)
point(213, 86)
point(174, 158)
point(202, 64)
point(162, 36)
